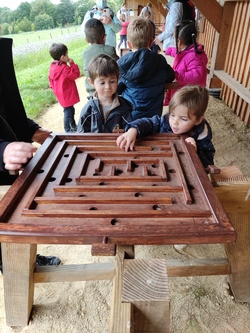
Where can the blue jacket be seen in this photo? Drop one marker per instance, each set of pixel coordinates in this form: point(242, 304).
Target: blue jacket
point(156, 124)
point(142, 77)
point(92, 119)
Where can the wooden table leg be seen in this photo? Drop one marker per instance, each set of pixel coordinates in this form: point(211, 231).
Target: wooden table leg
point(121, 313)
point(235, 197)
point(18, 268)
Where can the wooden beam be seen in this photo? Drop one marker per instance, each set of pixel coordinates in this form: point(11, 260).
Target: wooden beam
point(212, 10)
point(235, 197)
point(69, 273)
point(198, 267)
point(121, 317)
point(238, 88)
point(160, 6)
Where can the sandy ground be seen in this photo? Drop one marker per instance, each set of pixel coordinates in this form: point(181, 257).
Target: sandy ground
point(198, 304)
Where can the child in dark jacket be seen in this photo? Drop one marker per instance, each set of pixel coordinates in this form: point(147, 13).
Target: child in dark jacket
point(105, 111)
point(62, 81)
point(186, 116)
point(143, 72)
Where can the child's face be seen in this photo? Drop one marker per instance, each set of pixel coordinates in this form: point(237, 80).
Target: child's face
point(65, 58)
point(105, 86)
point(180, 121)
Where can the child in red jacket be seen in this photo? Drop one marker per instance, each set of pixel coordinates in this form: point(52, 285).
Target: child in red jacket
point(62, 75)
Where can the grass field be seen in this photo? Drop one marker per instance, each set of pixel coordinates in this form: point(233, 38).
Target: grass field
point(43, 35)
point(32, 67)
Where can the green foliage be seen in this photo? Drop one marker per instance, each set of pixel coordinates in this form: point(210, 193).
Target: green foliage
point(44, 22)
point(23, 11)
point(40, 7)
point(32, 76)
point(24, 25)
point(65, 13)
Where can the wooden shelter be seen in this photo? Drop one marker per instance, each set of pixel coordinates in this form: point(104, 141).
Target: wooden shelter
point(224, 30)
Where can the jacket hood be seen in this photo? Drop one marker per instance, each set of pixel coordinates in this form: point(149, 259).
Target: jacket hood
point(56, 68)
point(139, 66)
point(200, 48)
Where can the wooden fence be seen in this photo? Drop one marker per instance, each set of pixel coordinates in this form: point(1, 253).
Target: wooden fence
point(229, 61)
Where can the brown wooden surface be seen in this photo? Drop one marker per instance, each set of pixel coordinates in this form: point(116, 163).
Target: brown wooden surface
point(81, 189)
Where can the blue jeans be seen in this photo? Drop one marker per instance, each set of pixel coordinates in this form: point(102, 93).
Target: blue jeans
point(123, 38)
point(69, 120)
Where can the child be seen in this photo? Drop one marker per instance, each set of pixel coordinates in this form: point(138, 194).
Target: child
point(123, 31)
point(147, 15)
point(143, 72)
point(186, 116)
point(95, 35)
point(62, 81)
point(105, 111)
point(190, 63)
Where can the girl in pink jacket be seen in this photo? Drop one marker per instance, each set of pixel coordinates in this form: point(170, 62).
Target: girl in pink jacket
point(190, 63)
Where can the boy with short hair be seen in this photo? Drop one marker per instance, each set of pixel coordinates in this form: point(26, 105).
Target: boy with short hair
point(62, 75)
point(105, 112)
point(95, 35)
point(143, 72)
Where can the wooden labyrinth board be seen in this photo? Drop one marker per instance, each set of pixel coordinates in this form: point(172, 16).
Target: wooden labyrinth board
point(82, 189)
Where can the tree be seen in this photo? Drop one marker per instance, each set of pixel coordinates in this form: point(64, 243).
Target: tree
point(40, 7)
point(24, 25)
point(43, 22)
point(23, 10)
point(65, 13)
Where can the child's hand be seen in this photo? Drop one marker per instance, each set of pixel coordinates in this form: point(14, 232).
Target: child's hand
point(40, 135)
point(127, 140)
point(192, 141)
point(16, 154)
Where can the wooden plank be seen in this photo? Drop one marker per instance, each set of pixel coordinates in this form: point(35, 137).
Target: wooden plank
point(145, 285)
point(70, 273)
point(198, 267)
point(121, 318)
point(235, 197)
point(212, 10)
point(18, 282)
point(240, 90)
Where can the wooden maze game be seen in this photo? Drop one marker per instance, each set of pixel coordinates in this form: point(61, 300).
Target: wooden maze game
point(82, 189)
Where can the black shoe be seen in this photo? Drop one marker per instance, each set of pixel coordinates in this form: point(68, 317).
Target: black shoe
point(45, 261)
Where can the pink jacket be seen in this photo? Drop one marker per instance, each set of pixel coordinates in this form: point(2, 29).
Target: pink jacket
point(62, 81)
point(123, 31)
point(189, 67)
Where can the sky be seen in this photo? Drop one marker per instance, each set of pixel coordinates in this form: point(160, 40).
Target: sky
point(13, 4)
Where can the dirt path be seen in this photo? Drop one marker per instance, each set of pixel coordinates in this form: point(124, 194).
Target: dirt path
point(198, 304)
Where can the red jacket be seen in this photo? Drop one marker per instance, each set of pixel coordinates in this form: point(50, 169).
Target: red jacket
point(62, 81)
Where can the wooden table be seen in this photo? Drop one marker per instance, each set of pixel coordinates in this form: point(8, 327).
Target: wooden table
point(82, 189)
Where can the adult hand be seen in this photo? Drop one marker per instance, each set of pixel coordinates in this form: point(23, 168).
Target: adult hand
point(41, 135)
point(127, 140)
point(106, 19)
point(16, 154)
point(157, 41)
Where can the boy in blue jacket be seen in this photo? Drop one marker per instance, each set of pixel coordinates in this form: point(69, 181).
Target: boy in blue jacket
point(143, 72)
point(186, 116)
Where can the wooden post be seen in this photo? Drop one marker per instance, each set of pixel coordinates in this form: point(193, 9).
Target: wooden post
point(121, 313)
point(235, 197)
point(145, 285)
point(18, 267)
